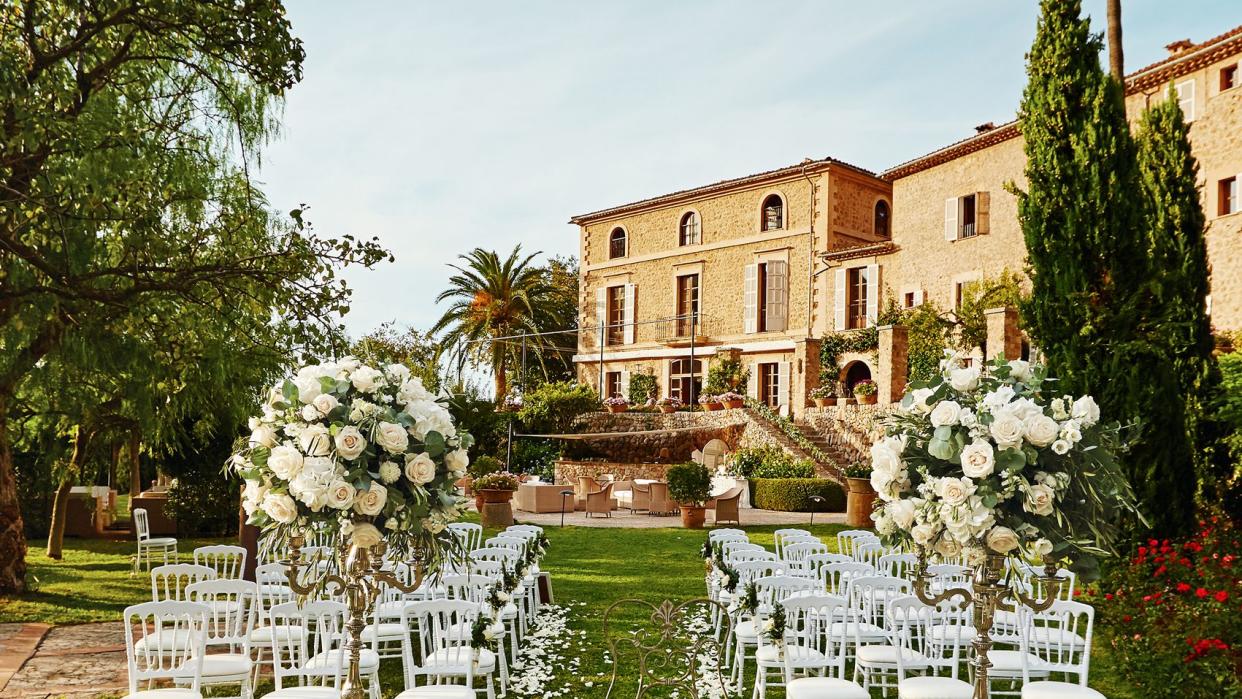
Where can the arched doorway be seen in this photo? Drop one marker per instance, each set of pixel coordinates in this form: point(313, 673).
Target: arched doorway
point(853, 373)
point(714, 453)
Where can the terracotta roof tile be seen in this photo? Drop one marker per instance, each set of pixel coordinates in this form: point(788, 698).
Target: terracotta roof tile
point(851, 252)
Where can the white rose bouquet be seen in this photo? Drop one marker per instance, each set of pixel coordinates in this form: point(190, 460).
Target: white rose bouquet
point(359, 451)
point(990, 462)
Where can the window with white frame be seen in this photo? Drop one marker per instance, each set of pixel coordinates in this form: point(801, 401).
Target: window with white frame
point(856, 297)
point(1185, 92)
point(765, 296)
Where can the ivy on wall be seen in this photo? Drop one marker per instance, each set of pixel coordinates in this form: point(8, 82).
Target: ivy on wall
point(835, 344)
point(643, 387)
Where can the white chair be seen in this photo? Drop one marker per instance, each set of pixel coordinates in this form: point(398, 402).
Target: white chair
point(168, 582)
point(1011, 657)
point(299, 631)
point(897, 565)
point(728, 548)
point(780, 537)
point(746, 556)
point(816, 561)
point(148, 545)
point(327, 653)
point(495, 553)
point(910, 614)
point(228, 561)
point(835, 578)
point(907, 623)
point(724, 532)
point(469, 533)
point(796, 554)
point(848, 538)
point(445, 649)
point(170, 646)
point(230, 605)
point(1060, 639)
point(866, 623)
point(808, 648)
point(869, 552)
point(273, 589)
point(771, 591)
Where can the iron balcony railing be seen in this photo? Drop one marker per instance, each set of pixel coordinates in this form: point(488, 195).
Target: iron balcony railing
point(684, 327)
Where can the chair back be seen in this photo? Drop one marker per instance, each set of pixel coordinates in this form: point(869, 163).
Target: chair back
point(815, 561)
point(1061, 638)
point(727, 548)
point(869, 552)
point(142, 527)
point(438, 627)
point(514, 543)
point(493, 569)
point(946, 575)
point(870, 595)
point(469, 533)
point(747, 555)
point(304, 631)
point(749, 571)
point(660, 501)
point(848, 538)
point(532, 528)
point(726, 534)
point(908, 625)
point(897, 565)
point(231, 606)
point(272, 582)
point(797, 553)
point(228, 561)
point(495, 553)
point(168, 582)
point(163, 640)
point(774, 589)
point(781, 535)
point(470, 588)
point(809, 619)
point(1028, 577)
point(836, 577)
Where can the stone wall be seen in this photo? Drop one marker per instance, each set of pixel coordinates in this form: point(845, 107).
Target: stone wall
point(568, 471)
point(850, 428)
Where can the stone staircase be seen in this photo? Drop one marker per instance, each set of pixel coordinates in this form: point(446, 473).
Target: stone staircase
point(762, 430)
point(844, 432)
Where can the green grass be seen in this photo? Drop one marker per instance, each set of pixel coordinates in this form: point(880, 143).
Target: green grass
point(596, 567)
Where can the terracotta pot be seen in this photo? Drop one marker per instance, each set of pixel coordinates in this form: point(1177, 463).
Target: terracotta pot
point(868, 400)
point(666, 409)
point(711, 406)
point(492, 495)
point(858, 502)
point(617, 408)
point(821, 402)
point(734, 404)
point(693, 516)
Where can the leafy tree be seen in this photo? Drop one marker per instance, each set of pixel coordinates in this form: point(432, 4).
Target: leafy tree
point(1003, 291)
point(127, 136)
point(492, 299)
point(417, 350)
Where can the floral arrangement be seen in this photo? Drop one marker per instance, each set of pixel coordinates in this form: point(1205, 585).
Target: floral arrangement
point(497, 598)
point(616, 402)
point(500, 480)
point(729, 396)
point(979, 463)
point(748, 603)
point(485, 634)
point(824, 392)
point(866, 387)
point(708, 398)
point(355, 450)
point(858, 469)
point(1176, 609)
point(535, 553)
point(774, 626)
point(670, 402)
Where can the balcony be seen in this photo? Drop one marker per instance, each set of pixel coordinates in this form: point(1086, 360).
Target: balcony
point(679, 331)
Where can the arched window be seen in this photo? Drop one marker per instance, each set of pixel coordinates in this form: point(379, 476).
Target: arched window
point(616, 243)
point(689, 232)
point(881, 218)
point(773, 213)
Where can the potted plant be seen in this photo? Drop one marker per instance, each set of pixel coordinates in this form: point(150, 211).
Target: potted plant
point(861, 496)
point(616, 404)
point(690, 485)
point(710, 403)
point(732, 400)
point(669, 405)
point(866, 391)
point(494, 487)
point(824, 396)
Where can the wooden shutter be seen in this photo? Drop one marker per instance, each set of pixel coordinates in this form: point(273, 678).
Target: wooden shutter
point(782, 387)
point(750, 299)
point(919, 297)
point(601, 313)
point(1186, 99)
point(951, 218)
point(872, 273)
point(627, 314)
point(752, 386)
point(777, 295)
point(625, 384)
point(983, 206)
point(838, 299)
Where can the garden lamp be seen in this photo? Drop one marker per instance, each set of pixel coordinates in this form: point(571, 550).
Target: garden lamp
point(564, 493)
point(816, 502)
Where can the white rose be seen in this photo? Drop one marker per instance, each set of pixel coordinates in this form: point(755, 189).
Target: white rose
point(412, 390)
point(1007, 430)
point(1002, 539)
point(419, 468)
point(1020, 370)
point(398, 373)
point(340, 495)
point(967, 418)
point(389, 472)
point(285, 461)
point(1042, 547)
point(995, 400)
point(902, 512)
point(280, 507)
point(1085, 411)
point(945, 413)
point(918, 400)
point(457, 461)
point(350, 442)
point(923, 533)
point(1041, 430)
point(371, 501)
point(310, 413)
point(965, 379)
point(263, 436)
point(885, 459)
point(365, 535)
point(325, 403)
point(315, 440)
point(308, 387)
point(954, 491)
point(1024, 408)
point(978, 459)
point(884, 525)
point(1061, 447)
point(1039, 500)
point(392, 437)
point(1058, 409)
point(367, 379)
point(948, 547)
point(1070, 432)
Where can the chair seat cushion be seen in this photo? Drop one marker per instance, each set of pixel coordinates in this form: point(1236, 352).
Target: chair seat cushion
point(934, 688)
point(861, 630)
point(1009, 663)
point(167, 640)
point(368, 660)
point(824, 688)
point(887, 655)
point(444, 691)
point(387, 631)
point(798, 656)
point(459, 656)
point(225, 665)
point(304, 693)
point(1058, 690)
point(1050, 635)
point(265, 634)
point(745, 630)
point(161, 541)
point(170, 693)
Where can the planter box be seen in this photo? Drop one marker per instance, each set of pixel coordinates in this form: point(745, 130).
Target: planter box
point(666, 409)
point(693, 517)
point(617, 408)
point(711, 407)
point(868, 400)
point(825, 402)
point(858, 503)
point(734, 404)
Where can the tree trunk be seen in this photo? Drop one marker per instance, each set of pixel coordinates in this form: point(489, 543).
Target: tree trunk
point(12, 531)
point(135, 466)
point(60, 506)
point(113, 464)
point(502, 383)
point(1116, 56)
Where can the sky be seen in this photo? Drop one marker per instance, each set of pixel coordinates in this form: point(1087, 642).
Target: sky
point(442, 126)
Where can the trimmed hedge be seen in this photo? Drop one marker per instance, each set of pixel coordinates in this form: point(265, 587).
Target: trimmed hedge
point(794, 494)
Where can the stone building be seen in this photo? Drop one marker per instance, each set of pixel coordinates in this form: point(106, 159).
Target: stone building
point(767, 264)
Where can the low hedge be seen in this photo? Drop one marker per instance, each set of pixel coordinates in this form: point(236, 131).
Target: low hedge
point(794, 494)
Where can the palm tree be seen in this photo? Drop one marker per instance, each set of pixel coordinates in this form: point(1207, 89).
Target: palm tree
point(495, 298)
point(1116, 60)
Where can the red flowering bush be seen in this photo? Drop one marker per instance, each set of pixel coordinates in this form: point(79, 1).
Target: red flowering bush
point(1173, 614)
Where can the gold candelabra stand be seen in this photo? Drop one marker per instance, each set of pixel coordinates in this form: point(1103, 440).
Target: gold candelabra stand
point(361, 577)
point(989, 595)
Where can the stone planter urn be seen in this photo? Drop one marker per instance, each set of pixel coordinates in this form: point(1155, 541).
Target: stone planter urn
point(482, 497)
point(868, 400)
point(693, 516)
point(858, 503)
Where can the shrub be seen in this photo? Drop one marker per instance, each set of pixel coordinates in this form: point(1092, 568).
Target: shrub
point(689, 483)
point(726, 374)
point(204, 505)
point(485, 465)
point(748, 460)
point(643, 388)
point(552, 407)
point(786, 467)
point(536, 457)
point(858, 469)
point(1173, 610)
point(794, 494)
point(501, 480)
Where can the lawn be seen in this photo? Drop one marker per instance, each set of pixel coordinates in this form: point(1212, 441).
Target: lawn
point(590, 568)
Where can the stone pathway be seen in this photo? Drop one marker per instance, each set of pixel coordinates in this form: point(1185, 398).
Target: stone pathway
point(76, 661)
